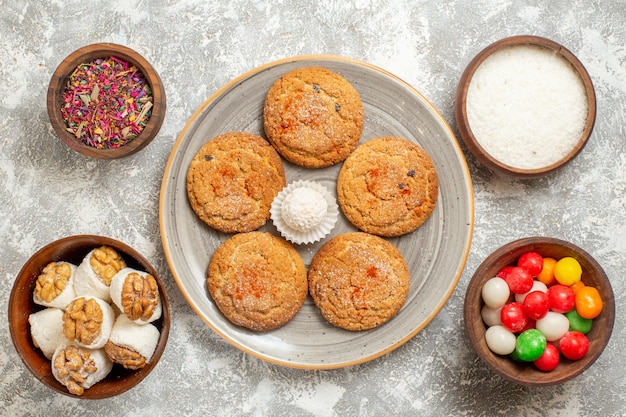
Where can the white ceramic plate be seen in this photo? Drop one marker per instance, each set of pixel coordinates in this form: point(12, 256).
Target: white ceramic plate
point(436, 253)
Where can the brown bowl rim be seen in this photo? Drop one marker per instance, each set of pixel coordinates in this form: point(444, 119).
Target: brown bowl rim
point(86, 54)
point(526, 374)
point(73, 249)
point(465, 130)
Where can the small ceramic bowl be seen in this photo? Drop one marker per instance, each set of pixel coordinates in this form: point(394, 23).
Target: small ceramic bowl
point(527, 373)
point(473, 142)
point(84, 55)
point(73, 249)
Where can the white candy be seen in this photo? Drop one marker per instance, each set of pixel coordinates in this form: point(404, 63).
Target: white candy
point(87, 281)
point(495, 292)
point(304, 212)
point(98, 358)
point(46, 329)
point(491, 316)
point(117, 284)
point(500, 340)
point(553, 326)
point(304, 209)
point(537, 286)
point(142, 338)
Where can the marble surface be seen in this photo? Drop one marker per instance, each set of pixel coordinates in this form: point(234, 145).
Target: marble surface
point(48, 192)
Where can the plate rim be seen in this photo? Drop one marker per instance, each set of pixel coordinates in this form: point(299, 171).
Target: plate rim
point(303, 58)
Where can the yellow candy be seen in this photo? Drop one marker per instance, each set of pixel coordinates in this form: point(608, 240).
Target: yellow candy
point(567, 271)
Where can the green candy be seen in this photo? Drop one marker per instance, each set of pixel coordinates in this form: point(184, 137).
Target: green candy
point(513, 355)
point(530, 345)
point(577, 323)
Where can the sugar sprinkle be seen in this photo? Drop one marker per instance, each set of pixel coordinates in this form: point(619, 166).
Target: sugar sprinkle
point(527, 106)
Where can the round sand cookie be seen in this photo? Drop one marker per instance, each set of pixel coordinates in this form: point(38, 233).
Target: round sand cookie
point(313, 117)
point(232, 181)
point(358, 281)
point(257, 280)
point(388, 186)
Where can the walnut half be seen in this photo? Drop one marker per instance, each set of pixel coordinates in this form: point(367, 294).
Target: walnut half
point(128, 358)
point(52, 281)
point(88, 321)
point(140, 296)
point(73, 366)
point(79, 368)
point(106, 262)
point(82, 320)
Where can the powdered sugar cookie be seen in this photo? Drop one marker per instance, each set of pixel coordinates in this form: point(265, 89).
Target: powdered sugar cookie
point(359, 281)
point(313, 117)
point(257, 280)
point(232, 180)
point(388, 186)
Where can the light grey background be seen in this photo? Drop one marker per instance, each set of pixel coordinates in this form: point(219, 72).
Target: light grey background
point(48, 191)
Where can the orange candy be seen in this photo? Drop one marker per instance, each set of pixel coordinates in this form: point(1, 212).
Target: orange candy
point(547, 273)
point(588, 302)
point(577, 286)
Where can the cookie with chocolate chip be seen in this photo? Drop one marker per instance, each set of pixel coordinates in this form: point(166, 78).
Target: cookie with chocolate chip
point(358, 281)
point(232, 181)
point(313, 117)
point(388, 186)
point(257, 280)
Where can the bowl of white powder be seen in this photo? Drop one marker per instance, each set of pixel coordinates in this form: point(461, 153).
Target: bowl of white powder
point(525, 106)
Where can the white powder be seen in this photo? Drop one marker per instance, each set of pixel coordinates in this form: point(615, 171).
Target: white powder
point(526, 106)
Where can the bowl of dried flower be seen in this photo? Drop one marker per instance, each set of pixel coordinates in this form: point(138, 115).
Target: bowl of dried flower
point(106, 101)
point(89, 316)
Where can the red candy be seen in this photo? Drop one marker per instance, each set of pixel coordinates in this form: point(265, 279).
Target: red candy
point(574, 345)
point(513, 318)
point(519, 279)
point(536, 305)
point(504, 272)
point(549, 360)
point(532, 324)
point(532, 262)
point(562, 298)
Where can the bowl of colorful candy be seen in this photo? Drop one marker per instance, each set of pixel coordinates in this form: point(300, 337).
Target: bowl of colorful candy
point(89, 316)
point(517, 92)
point(539, 311)
point(106, 101)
